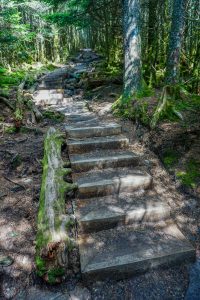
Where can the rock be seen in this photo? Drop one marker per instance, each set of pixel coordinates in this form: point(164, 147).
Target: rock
point(193, 292)
point(69, 93)
point(5, 261)
point(35, 293)
point(8, 288)
point(80, 293)
point(27, 181)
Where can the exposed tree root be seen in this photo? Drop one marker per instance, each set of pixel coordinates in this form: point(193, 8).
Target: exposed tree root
point(169, 94)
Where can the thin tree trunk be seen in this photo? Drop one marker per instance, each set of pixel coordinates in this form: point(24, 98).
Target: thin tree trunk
point(175, 41)
point(132, 47)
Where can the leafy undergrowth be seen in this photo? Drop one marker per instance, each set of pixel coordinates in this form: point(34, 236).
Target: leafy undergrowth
point(142, 107)
point(55, 116)
point(185, 166)
point(191, 175)
point(12, 78)
point(170, 157)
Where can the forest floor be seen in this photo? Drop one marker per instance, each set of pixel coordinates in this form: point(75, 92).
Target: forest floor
point(20, 179)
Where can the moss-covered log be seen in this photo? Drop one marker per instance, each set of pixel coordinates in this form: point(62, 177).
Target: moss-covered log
point(52, 242)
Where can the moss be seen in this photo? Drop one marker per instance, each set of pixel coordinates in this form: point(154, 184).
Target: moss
point(54, 274)
point(10, 130)
point(58, 117)
point(51, 67)
point(170, 157)
point(44, 237)
point(190, 176)
point(41, 266)
point(131, 109)
point(71, 187)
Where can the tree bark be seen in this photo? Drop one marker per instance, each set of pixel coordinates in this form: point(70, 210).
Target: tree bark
point(175, 42)
point(132, 47)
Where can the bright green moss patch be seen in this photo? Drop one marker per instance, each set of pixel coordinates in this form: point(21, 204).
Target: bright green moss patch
point(191, 175)
point(40, 265)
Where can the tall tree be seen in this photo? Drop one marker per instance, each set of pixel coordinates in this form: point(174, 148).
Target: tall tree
point(175, 41)
point(132, 47)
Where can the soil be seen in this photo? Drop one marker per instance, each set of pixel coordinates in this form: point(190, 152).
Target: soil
point(20, 179)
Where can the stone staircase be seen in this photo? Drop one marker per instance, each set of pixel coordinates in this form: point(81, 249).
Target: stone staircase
point(123, 229)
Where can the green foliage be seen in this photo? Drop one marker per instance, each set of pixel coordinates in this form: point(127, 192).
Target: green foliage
point(2, 71)
point(52, 115)
point(191, 174)
point(40, 265)
point(170, 158)
point(134, 107)
point(18, 114)
point(191, 103)
point(54, 274)
point(166, 107)
point(10, 129)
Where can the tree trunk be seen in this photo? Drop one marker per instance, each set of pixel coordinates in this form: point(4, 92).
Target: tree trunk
point(175, 42)
point(152, 38)
point(132, 47)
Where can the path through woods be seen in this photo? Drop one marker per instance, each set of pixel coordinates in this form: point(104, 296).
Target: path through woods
point(117, 209)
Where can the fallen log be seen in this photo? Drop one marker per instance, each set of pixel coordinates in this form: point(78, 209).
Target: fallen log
point(53, 243)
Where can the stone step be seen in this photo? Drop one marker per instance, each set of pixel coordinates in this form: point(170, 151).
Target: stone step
point(50, 87)
point(96, 131)
point(108, 212)
point(111, 181)
point(90, 144)
point(50, 84)
point(84, 122)
point(84, 116)
point(122, 252)
point(103, 159)
point(48, 97)
point(52, 81)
